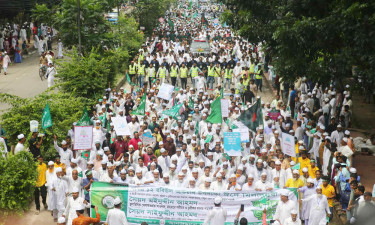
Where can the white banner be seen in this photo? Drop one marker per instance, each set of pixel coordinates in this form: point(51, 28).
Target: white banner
point(243, 130)
point(165, 91)
point(288, 145)
point(121, 126)
point(82, 137)
point(167, 205)
point(147, 138)
point(224, 108)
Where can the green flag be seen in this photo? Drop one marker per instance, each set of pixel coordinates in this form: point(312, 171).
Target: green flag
point(174, 112)
point(215, 116)
point(85, 119)
point(171, 24)
point(46, 118)
point(208, 139)
point(190, 4)
point(253, 116)
point(197, 128)
point(297, 166)
point(191, 103)
point(140, 110)
point(222, 93)
point(128, 79)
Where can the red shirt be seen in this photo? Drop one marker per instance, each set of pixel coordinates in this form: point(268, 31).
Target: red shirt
point(134, 142)
point(119, 147)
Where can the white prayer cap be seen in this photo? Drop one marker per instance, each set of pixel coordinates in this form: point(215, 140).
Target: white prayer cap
point(104, 161)
point(325, 134)
point(318, 187)
point(240, 167)
point(50, 163)
point(106, 149)
point(131, 146)
point(233, 176)
point(117, 201)
point(210, 153)
point(347, 86)
point(131, 168)
point(339, 126)
point(305, 170)
point(322, 127)
point(74, 160)
point(294, 212)
point(301, 147)
point(287, 125)
point(178, 150)
point(162, 150)
point(193, 142)
point(123, 171)
point(263, 150)
point(194, 170)
point(109, 164)
point(218, 200)
point(165, 174)
point(208, 180)
point(276, 132)
point(58, 169)
point(263, 174)
point(138, 170)
point(20, 136)
point(181, 174)
point(174, 157)
point(259, 160)
point(75, 190)
point(300, 142)
point(184, 168)
point(353, 170)
point(63, 142)
point(296, 171)
point(252, 156)
point(345, 139)
point(347, 132)
point(277, 162)
point(61, 220)
point(100, 152)
point(284, 192)
point(310, 180)
point(173, 166)
point(192, 179)
point(244, 159)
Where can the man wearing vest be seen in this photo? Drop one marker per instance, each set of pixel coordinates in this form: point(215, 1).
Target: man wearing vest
point(218, 74)
point(183, 75)
point(227, 76)
point(162, 72)
point(194, 72)
point(252, 70)
point(141, 73)
point(151, 74)
point(132, 71)
point(211, 76)
point(173, 74)
point(259, 76)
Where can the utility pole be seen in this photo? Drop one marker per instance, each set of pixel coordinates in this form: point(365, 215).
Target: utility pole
point(79, 27)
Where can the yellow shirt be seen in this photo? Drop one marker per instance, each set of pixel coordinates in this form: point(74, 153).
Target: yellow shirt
point(304, 163)
point(329, 192)
point(62, 165)
point(290, 183)
point(41, 180)
point(312, 171)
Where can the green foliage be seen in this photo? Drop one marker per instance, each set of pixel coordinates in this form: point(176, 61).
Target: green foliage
point(65, 109)
point(318, 39)
point(149, 11)
point(126, 33)
point(84, 76)
point(17, 180)
point(42, 14)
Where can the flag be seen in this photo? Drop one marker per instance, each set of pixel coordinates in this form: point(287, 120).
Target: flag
point(86, 155)
point(46, 118)
point(253, 116)
point(191, 103)
point(222, 92)
point(85, 119)
point(174, 112)
point(208, 138)
point(215, 116)
point(204, 21)
point(190, 4)
point(170, 23)
point(297, 166)
point(197, 128)
point(141, 109)
point(128, 79)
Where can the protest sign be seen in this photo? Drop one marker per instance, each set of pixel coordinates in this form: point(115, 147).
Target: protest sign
point(82, 137)
point(224, 107)
point(147, 138)
point(274, 114)
point(167, 205)
point(165, 91)
point(288, 145)
point(121, 126)
point(232, 143)
point(240, 127)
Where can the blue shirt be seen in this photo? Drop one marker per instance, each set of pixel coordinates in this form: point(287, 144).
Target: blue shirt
point(84, 183)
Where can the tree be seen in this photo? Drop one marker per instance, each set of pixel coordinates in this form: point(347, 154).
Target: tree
point(42, 14)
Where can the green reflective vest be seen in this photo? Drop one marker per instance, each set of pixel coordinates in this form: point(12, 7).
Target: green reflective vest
point(174, 71)
point(194, 71)
point(183, 72)
point(228, 73)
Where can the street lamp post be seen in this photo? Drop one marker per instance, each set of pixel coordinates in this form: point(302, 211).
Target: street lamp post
point(79, 26)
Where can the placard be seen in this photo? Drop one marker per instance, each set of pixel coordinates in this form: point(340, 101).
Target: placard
point(120, 126)
point(288, 145)
point(243, 130)
point(224, 108)
point(147, 138)
point(165, 91)
point(82, 137)
point(232, 143)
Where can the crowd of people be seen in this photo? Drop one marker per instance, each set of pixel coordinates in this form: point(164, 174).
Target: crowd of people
point(188, 152)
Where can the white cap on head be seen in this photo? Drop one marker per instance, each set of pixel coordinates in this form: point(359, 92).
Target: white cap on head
point(123, 171)
point(259, 160)
point(292, 163)
point(353, 170)
point(50, 163)
point(20, 136)
point(277, 162)
point(162, 150)
point(347, 132)
point(74, 160)
point(295, 171)
point(80, 207)
point(75, 190)
point(218, 200)
point(310, 180)
point(165, 174)
point(294, 212)
point(305, 170)
point(117, 201)
point(208, 180)
point(58, 169)
point(63, 142)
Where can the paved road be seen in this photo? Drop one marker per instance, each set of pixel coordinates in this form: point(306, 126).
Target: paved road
point(22, 79)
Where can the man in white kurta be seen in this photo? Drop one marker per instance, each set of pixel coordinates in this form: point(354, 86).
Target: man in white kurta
point(307, 191)
point(20, 145)
point(50, 75)
point(319, 208)
point(60, 188)
point(293, 219)
point(116, 216)
point(262, 184)
point(50, 178)
point(217, 215)
point(284, 207)
point(72, 205)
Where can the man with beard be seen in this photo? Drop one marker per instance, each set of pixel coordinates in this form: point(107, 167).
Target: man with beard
point(319, 209)
point(307, 191)
point(65, 154)
point(263, 184)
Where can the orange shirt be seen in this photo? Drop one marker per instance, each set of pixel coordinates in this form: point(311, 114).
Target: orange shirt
point(82, 220)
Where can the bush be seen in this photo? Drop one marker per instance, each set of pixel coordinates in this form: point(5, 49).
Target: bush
point(17, 180)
